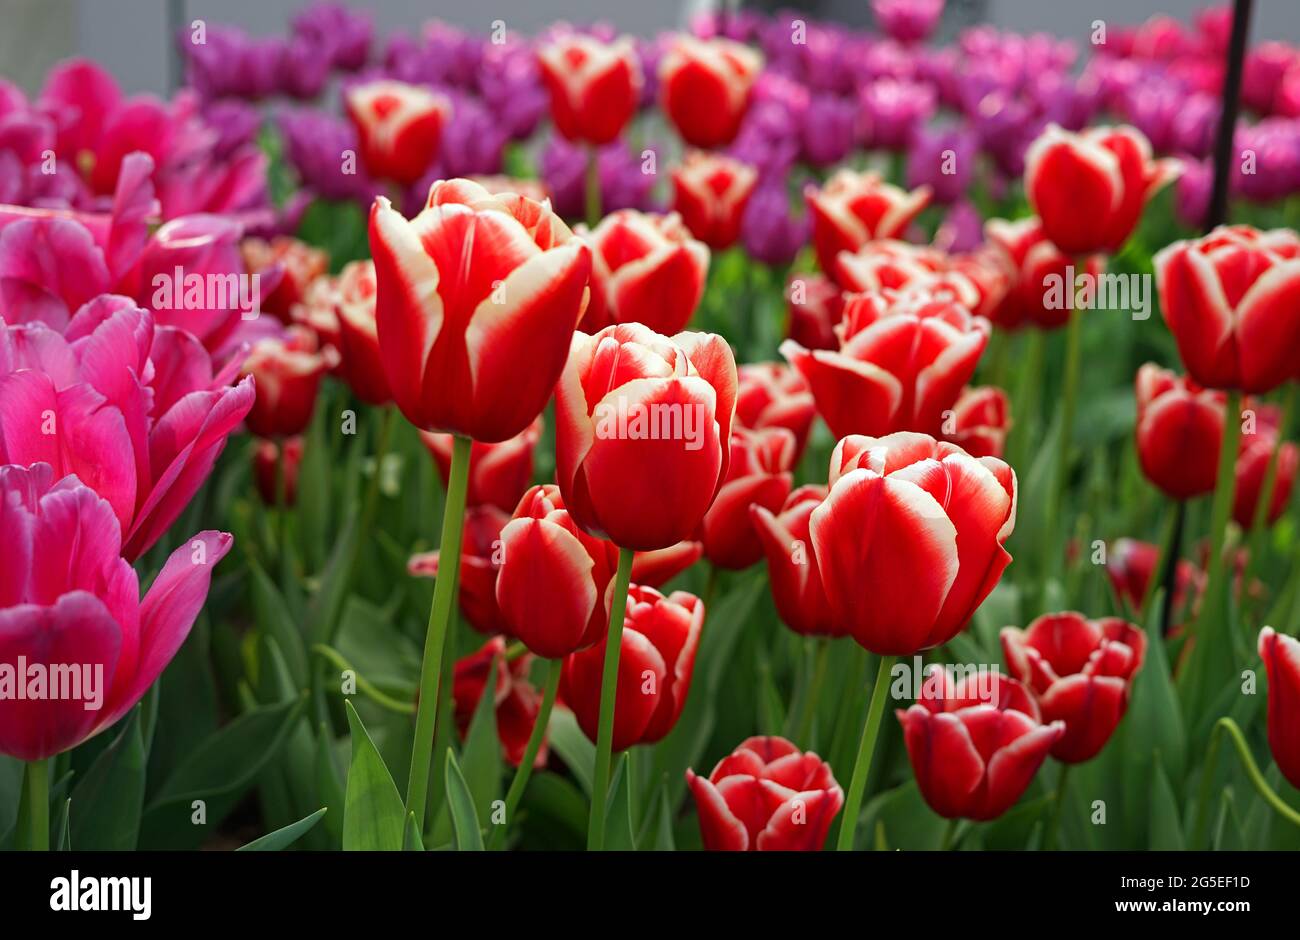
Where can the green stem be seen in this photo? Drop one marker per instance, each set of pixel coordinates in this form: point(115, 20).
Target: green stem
point(866, 746)
point(949, 835)
point(439, 613)
point(381, 451)
point(608, 688)
point(33, 832)
point(525, 769)
point(1058, 809)
point(1070, 395)
point(814, 693)
point(364, 685)
point(1252, 770)
point(1028, 388)
point(593, 188)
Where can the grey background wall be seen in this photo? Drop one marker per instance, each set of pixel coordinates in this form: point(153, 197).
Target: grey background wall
point(132, 37)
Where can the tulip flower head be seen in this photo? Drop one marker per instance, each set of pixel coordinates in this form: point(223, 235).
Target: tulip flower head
point(515, 702)
point(1281, 655)
point(1081, 672)
point(909, 540)
point(773, 395)
point(595, 86)
point(1232, 301)
point(288, 372)
point(646, 269)
point(481, 557)
point(975, 754)
point(1179, 432)
point(855, 208)
point(643, 424)
point(1089, 188)
point(759, 474)
point(477, 293)
point(792, 564)
point(656, 662)
point(399, 127)
point(979, 421)
point(705, 87)
point(710, 193)
point(70, 604)
point(361, 362)
point(1036, 263)
point(498, 473)
point(766, 796)
point(275, 470)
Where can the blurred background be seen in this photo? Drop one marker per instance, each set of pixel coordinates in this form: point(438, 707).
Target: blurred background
point(132, 38)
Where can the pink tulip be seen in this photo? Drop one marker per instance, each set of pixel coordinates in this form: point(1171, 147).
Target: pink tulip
point(69, 599)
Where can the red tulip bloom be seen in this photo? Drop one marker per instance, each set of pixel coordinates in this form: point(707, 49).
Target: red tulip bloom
point(1232, 301)
point(705, 87)
point(642, 427)
point(979, 421)
point(792, 565)
point(476, 294)
point(710, 193)
point(275, 470)
point(1252, 464)
point(287, 371)
point(482, 554)
point(318, 311)
point(399, 127)
point(1081, 672)
point(1131, 565)
point(889, 263)
point(362, 361)
point(904, 361)
point(910, 538)
point(1179, 432)
point(646, 269)
point(515, 701)
point(816, 305)
point(855, 208)
point(773, 395)
point(656, 661)
point(758, 475)
point(1038, 265)
point(1281, 655)
point(498, 473)
point(1108, 170)
point(973, 753)
point(766, 796)
point(68, 598)
point(595, 86)
point(298, 265)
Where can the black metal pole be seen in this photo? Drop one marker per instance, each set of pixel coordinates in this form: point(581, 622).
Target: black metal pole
point(1215, 216)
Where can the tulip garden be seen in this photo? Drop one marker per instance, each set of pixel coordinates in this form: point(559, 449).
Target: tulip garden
point(766, 436)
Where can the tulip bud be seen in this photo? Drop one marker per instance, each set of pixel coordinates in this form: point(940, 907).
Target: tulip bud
point(481, 557)
point(1179, 432)
point(792, 564)
point(399, 127)
point(287, 372)
point(362, 365)
point(646, 269)
point(816, 305)
point(656, 661)
point(710, 192)
point(904, 361)
point(1108, 171)
point(275, 470)
point(299, 263)
point(594, 86)
point(705, 88)
point(980, 421)
point(498, 473)
point(1131, 565)
point(642, 421)
point(516, 702)
point(855, 208)
point(766, 796)
point(1257, 449)
point(758, 475)
point(773, 395)
point(1232, 301)
point(1036, 263)
point(1281, 655)
point(1081, 672)
point(910, 538)
point(973, 753)
point(475, 294)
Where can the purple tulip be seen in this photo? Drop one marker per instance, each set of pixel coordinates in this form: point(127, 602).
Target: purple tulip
point(907, 20)
point(829, 129)
point(623, 185)
point(893, 111)
point(1192, 192)
point(769, 230)
point(511, 87)
point(1274, 144)
point(316, 144)
point(342, 34)
point(943, 159)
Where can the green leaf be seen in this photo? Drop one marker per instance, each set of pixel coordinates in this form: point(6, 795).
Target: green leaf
point(464, 819)
point(63, 837)
point(618, 809)
point(480, 758)
point(283, 838)
point(1166, 829)
point(110, 797)
point(568, 741)
point(218, 773)
point(1154, 725)
point(412, 841)
point(373, 814)
point(275, 621)
point(329, 785)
